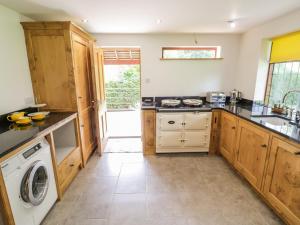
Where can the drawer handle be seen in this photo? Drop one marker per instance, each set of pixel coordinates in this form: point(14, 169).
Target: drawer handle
point(71, 165)
point(81, 125)
point(79, 97)
point(171, 122)
point(233, 128)
point(264, 145)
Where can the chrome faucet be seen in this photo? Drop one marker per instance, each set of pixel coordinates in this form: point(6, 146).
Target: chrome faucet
point(286, 94)
point(297, 114)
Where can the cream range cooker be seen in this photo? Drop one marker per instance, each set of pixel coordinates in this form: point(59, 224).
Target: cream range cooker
point(182, 128)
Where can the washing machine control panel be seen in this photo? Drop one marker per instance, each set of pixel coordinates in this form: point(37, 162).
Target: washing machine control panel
point(32, 150)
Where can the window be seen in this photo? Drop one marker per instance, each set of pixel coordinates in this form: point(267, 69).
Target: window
point(284, 71)
point(207, 52)
point(283, 77)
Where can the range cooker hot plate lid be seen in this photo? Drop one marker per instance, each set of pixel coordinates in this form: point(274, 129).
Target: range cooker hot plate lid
point(170, 102)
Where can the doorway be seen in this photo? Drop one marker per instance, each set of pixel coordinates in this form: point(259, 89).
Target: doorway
point(122, 91)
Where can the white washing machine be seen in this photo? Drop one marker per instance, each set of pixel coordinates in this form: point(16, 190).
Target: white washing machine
point(30, 183)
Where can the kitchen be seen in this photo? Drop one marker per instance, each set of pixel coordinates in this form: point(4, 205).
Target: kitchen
point(220, 139)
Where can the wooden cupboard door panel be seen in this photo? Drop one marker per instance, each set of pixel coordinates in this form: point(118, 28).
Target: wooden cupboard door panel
point(52, 82)
point(252, 146)
point(87, 133)
point(148, 131)
point(228, 136)
point(82, 72)
point(282, 185)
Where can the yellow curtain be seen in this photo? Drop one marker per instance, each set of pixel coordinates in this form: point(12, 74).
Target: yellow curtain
point(286, 48)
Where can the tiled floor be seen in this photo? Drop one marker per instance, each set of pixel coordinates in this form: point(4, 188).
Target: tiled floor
point(129, 189)
point(124, 145)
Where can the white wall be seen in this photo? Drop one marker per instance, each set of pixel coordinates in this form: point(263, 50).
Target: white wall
point(253, 59)
point(15, 82)
point(186, 77)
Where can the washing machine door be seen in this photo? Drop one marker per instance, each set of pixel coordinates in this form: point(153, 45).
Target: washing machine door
point(35, 183)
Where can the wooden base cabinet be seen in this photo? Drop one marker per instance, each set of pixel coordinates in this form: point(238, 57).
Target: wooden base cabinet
point(282, 184)
point(228, 135)
point(148, 131)
point(215, 132)
point(251, 152)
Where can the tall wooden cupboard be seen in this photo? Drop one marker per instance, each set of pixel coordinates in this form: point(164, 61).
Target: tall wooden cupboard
point(60, 57)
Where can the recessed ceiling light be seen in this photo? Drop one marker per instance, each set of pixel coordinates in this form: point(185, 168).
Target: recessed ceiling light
point(84, 20)
point(158, 21)
point(232, 23)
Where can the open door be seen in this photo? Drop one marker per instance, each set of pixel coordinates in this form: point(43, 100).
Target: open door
point(100, 104)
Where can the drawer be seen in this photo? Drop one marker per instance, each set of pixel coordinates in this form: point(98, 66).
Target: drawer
point(69, 168)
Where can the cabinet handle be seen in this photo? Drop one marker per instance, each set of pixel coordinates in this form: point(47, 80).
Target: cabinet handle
point(81, 125)
point(80, 97)
point(71, 165)
point(233, 128)
point(264, 146)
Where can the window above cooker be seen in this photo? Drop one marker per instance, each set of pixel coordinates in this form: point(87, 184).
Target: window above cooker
point(191, 52)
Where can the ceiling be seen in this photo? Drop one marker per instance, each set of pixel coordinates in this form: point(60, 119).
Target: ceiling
point(140, 16)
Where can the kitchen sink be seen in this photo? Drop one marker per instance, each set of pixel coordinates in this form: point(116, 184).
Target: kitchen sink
point(273, 120)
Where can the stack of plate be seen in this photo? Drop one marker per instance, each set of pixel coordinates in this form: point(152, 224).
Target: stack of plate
point(170, 102)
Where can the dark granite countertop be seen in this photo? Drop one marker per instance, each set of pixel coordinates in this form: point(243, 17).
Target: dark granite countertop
point(13, 136)
point(251, 113)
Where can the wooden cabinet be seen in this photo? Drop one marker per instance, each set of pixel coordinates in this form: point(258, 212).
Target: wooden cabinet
point(269, 162)
point(251, 152)
point(60, 57)
point(215, 132)
point(228, 135)
point(282, 184)
point(148, 131)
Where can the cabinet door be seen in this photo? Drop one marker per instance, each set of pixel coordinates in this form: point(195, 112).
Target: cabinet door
point(170, 121)
point(197, 121)
point(170, 139)
point(148, 131)
point(196, 139)
point(50, 67)
point(84, 91)
point(282, 184)
point(228, 136)
point(86, 131)
point(251, 152)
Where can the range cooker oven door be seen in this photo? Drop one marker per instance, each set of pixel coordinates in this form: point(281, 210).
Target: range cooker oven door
point(170, 121)
point(197, 121)
point(196, 139)
point(35, 183)
point(170, 139)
